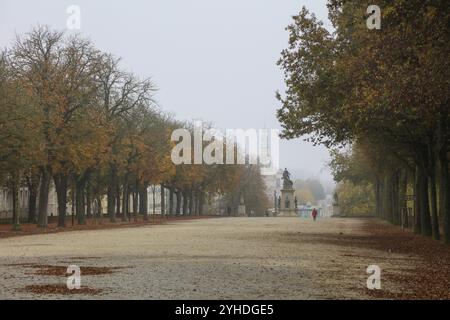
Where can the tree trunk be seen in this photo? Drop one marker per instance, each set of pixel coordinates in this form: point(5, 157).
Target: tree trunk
point(154, 200)
point(188, 203)
point(60, 180)
point(403, 206)
point(88, 189)
point(15, 201)
point(135, 202)
point(80, 208)
point(33, 185)
point(111, 203)
point(97, 194)
point(196, 202)
point(378, 193)
point(201, 203)
point(388, 214)
point(441, 192)
point(125, 200)
point(111, 194)
point(433, 192)
point(424, 205)
point(382, 200)
point(32, 204)
point(99, 208)
point(127, 205)
point(163, 200)
point(143, 200)
point(171, 197)
point(417, 203)
point(191, 203)
point(118, 200)
point(395, 198)
point(43, 197)
point(178, 206)
point(444, 193)
point(185, 203)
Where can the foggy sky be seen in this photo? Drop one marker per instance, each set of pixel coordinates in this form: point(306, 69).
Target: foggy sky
point(213, 60)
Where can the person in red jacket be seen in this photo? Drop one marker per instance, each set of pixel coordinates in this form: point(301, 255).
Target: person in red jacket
point(314, 214)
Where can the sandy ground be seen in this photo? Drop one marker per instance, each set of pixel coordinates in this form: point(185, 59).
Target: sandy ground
point(219, 258)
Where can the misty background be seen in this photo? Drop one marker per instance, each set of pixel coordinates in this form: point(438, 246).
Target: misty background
point(211, 60)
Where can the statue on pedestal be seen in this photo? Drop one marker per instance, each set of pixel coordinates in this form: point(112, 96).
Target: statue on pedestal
point(288, 201)
point(287, 182)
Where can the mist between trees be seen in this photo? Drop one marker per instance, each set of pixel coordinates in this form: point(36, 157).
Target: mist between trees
point(70, 114)
point(384, 94)
point(309, 191)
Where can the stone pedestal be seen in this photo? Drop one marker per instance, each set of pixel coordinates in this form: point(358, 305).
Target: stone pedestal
point(241, 207)
point(241, 210)
point(287, 205)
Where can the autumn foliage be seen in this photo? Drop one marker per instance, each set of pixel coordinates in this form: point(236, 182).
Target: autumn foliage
point(383, 92)
point(69, 114)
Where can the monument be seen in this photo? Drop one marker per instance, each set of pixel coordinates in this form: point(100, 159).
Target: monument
point(288, 201)
point(241, 208)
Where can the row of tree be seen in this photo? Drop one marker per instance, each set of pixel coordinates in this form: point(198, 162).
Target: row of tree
point(70, 114)
point(383, 92)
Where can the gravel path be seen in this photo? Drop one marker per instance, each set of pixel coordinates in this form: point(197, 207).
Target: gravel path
point(219, 258)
